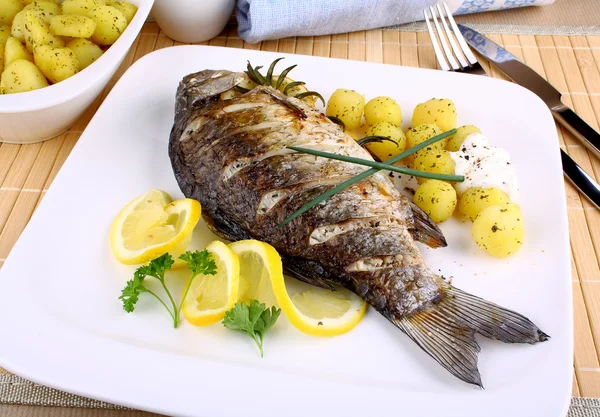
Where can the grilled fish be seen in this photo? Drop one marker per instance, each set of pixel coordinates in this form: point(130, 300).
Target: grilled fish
point(230, 154)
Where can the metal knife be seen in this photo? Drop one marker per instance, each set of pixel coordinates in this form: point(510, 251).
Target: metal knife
point(528, 78)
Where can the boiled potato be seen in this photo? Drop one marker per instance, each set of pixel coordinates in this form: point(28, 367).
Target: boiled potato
point(438, 162)
point(37, 33)
point(14, 50)
point(385, 149)
point(129, 10)
point(20, 76)
point(436, 198)
point(476, 199)
point(455, 140)
point(418, 134)
point(18, 25)
point(383, 109)
point(8, 10)
point(72, 25)
point(110, 23)
point(85, 51)
point(31, 1)
point(56, 64)
point(4, 35)
point(441, 112)
point(80, 7)
point(499, 229)
point(346, 105)
point(47, 9)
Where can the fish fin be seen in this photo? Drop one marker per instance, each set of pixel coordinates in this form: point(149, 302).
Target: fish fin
point(446, 331)
point(425, 230)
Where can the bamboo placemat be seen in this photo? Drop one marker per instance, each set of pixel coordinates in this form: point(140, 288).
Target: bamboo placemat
point(570, 63)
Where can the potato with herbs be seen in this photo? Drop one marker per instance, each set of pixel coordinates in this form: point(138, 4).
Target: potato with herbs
point(46, 9)
point(20, 76)
point(436, 198)
point(383, 109)
point(31, 1)
point(37, 33)
point(110, 24)
point(4, 35)
point(499, 230)
point(85, 51)
point(456, 140)
point(418, 134)
point(129, 10)
point(441, 112)
point(56, 64)
point(438, 162)
point(80, 7)
point(8, 10)
point(72, 25)
point(476, 199)
point(346, 105)
point(386, 149)
point(13, 50)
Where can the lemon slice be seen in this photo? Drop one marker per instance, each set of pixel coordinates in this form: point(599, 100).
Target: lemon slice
point(151, 225)
point(314, 311)
point(211, 296)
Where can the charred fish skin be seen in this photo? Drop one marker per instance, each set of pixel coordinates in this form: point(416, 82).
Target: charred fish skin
point(231, 155)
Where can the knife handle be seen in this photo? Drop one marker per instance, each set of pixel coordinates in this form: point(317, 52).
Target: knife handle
point(581, 179)
point(579, 128)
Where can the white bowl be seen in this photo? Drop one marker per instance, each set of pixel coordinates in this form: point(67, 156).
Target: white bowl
point(42, 114)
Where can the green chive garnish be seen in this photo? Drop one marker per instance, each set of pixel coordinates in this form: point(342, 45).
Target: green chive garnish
point(380, 165)
point(364, 175)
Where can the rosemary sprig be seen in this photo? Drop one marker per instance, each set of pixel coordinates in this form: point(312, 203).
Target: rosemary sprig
point(292, 85)
point(362, 176)
point(373, 139)
point(338, 122)
point(380, 165)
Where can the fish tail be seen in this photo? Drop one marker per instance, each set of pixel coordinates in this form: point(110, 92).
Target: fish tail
point(446, 331)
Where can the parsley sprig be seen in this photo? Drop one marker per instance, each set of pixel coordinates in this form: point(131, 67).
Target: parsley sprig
point(199, 262)
point(254, 320)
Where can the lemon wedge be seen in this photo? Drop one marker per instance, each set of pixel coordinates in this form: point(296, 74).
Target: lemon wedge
point(314, 311)
point(211, 296)
point(151, 225)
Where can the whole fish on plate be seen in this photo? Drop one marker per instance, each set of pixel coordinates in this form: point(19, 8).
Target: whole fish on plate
point(229, 152)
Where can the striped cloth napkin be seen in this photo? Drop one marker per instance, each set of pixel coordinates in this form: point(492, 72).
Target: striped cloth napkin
point(259, 20)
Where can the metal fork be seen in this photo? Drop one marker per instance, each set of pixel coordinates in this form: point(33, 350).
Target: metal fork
point(458, 59)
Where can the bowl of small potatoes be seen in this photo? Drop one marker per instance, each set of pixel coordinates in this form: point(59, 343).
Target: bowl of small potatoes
point(56, 57)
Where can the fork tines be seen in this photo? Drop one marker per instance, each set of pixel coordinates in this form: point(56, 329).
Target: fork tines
point(456, 57)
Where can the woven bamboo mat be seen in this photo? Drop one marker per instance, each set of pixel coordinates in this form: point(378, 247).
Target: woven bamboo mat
point(569, 63)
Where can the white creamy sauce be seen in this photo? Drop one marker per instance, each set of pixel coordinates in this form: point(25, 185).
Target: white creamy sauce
point(484, 165)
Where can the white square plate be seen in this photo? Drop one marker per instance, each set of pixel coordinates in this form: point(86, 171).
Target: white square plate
point(62, 324)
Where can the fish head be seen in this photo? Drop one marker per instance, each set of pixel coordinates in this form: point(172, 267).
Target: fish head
point(201, 87)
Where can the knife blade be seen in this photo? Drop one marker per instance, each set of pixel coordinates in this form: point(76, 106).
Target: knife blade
point(528, 78)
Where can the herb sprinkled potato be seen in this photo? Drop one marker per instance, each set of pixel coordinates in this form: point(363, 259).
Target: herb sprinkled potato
point(421, 133)
point(20, 76)
point(383, 109)
point(13, 50)
point(456, 140)
point(441, 112)
point(37, 32)
point(72, 25)
point(31, 1)
point(80, 7)
point(46, 9)
point(56, 64)
point(499, 230)
point(476, 199)
point(386, 149)
point(346, 105)
point(437, 161)
point(436, 198)
point(129, 10)
point(8, 10)
point(85, 51)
